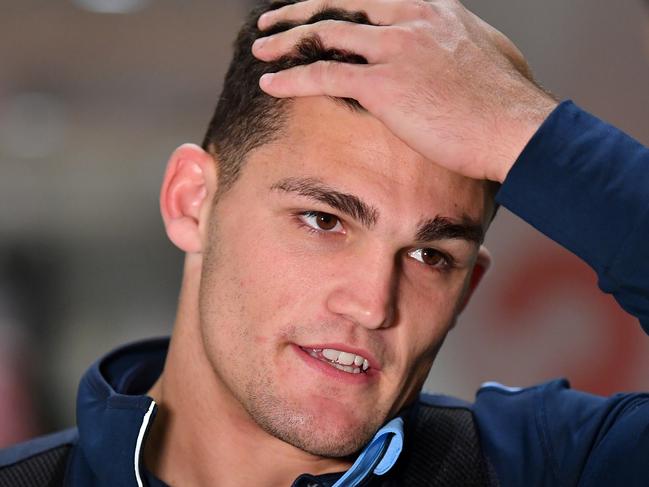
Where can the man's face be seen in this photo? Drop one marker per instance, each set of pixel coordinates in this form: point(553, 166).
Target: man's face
point(320, 248)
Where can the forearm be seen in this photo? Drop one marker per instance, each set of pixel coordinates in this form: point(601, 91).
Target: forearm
point(585, 184)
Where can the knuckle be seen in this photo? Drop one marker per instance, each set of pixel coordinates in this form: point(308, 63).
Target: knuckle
point(327, 30)
point(336, 28)
point(317, 71)
point(398, 38)
point(373, 98)
point(334, 71)
point(323, 72)
point(420, 9)
point(339, 75)
point(329, 24)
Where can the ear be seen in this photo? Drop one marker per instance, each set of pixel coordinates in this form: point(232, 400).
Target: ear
point(188, 186)
point(482, 264)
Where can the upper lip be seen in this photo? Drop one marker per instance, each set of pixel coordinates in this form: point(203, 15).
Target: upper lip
point(373, 362)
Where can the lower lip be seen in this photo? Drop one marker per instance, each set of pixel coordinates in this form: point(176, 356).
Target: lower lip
point(338, 375)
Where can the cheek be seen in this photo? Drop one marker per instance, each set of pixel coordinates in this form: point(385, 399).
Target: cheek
point(259, 279)
point(426, 313)
point(418, 337)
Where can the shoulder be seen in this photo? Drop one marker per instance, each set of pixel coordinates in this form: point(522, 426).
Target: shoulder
point(37, 446)
point(435, 411)
point(434, 414)
point(443, 442)
point(442, 401)
point(552, 402)
point(563, 433)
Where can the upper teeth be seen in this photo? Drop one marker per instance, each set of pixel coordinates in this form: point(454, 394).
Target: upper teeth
point(345, 358)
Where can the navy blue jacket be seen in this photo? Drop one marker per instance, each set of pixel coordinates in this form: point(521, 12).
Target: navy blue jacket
point(580, 181)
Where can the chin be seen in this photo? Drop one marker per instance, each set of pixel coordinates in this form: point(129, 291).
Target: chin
point(333, 441)
point(332, 431)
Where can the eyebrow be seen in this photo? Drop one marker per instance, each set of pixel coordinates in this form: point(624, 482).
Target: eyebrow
point(346, 203)
point(432, 229)
point(441, 228)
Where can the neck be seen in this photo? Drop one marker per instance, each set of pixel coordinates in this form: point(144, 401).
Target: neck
point(201, 433)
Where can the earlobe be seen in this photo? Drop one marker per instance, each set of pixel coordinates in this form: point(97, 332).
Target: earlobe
point(190, 179)
point(483, 262)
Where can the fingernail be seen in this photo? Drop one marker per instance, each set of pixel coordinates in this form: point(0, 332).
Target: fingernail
point(266, 79)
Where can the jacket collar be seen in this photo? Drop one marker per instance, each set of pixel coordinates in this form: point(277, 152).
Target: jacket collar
point(113, 412)
point(114, 415)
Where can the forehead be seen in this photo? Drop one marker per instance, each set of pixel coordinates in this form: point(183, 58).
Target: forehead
point(356, 153)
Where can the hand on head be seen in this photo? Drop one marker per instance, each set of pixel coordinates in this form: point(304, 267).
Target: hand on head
point(445, 82)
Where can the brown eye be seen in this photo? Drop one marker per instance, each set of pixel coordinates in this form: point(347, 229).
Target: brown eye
point(326, 221)
point(321, 221)
point(431, 257)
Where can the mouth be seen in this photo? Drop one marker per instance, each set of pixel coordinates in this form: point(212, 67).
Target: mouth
point(350, 363)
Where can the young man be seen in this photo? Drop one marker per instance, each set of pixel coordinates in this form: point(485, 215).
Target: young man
point(330, 247)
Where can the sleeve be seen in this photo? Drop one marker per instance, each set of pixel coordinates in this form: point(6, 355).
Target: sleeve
point(585, 184)
point(550, 435)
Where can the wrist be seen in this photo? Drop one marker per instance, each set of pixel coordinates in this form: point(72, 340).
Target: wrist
point(524, 120)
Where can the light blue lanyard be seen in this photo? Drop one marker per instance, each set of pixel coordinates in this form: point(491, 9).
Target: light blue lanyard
point(379, 456)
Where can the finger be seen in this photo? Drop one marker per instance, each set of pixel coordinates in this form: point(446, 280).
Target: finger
point(378, 11)
point(368, 41)
point(322, 78)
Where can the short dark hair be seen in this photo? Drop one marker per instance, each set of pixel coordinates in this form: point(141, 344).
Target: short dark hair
point(245, 117)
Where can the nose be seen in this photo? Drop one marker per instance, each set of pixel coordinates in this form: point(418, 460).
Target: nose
point(365, 292)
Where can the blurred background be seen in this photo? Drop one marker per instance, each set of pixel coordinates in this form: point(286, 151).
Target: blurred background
point(94, 96)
